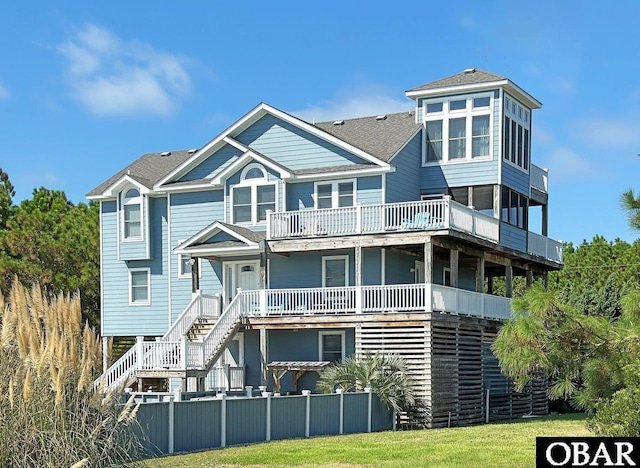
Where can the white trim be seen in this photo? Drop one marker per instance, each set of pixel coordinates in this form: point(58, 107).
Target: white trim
point(489, 85)
point(232, 168)
point(116, 187)
point(169, 263)
point(208, 232)
point(253, 185)
point(468, 113)
point(234, 264)
point(341, 174)
point(405, 143)
point(147, 270)
point(335, 194)
point(248, 119)
point(343, 340)
point(101, 234)
point(335, 257)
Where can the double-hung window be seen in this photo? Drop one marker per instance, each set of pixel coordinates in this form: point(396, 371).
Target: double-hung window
point(335, 194)
point(335, 271)
point(331, 346)
point(253, 196)
point(139, 286)
point(458, 129)
point(132, 215)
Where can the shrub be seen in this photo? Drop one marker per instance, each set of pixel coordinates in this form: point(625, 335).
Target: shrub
point(49, 413)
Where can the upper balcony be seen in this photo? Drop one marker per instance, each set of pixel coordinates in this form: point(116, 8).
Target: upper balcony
point(375, 219)
point(429, 215)
point(539, 178)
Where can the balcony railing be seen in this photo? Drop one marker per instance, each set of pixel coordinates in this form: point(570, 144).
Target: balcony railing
point(380, 218)
point(539, 178)
point(425, 297)
point(544, 247)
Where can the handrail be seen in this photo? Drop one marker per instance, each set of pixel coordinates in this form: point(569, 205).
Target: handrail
point(229, 317)
point(118, 372)
point(188, 317)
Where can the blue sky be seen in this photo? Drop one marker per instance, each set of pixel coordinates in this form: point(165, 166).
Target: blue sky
point(87, 87)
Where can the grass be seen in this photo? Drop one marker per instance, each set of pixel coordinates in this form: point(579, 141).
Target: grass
point(506, 444)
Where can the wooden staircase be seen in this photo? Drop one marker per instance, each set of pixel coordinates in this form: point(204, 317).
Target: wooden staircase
point(200, 328)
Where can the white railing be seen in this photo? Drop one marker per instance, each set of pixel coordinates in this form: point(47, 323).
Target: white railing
point(539, 178)
point(370, 219)
point(219, 332)
point(226, 377)
point(545, 247)
point(202, 305)
point(374, 299)
point(119, 372)
point(466, 219)
point(154, 355)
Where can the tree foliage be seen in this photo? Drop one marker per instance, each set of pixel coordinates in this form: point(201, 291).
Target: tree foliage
point(631, 204)
point(385, 374)
point(55, 243)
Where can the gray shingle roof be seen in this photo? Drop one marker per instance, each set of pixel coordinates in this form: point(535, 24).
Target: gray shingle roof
point(380, 138)
point(473, 76)
point(253, 236)
point(148, 169)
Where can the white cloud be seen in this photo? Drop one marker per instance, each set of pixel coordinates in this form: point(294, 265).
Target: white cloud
point(564, 164)
point(4, 93)
point(113, 77)
point(607, 133)
point(360, 101)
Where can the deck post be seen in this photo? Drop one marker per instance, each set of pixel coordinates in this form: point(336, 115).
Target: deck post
point(263, 355)
point(454, 256)
point(428, 260)
point(268, 213)
point(105, 354)
point(183, 352)
point(447, 212)
point(139, 351)
point(358, 218)
point(508, 280)
point(480, 275)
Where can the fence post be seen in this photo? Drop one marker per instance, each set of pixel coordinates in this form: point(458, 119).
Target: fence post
point(487, 406)
point(267, 395)
point(171, 435)
point(223, 419)
point(369, 407)
point(340, 392)
point(307, 419)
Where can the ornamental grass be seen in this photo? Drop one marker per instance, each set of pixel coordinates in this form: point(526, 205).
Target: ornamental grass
point(50, 414)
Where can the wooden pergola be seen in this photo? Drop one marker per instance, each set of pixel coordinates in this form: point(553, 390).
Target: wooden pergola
point(299, 368)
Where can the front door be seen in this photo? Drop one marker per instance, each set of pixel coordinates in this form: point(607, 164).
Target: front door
point(243, 275)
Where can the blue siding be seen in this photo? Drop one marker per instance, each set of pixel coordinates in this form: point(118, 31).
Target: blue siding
point(213, 164)
point(398, 268)
point(288, 345)
point(190, 213)
point(513, 237)
point(293, 147)
point(371, 266)
point(515, 178)
point(300, 196)
point(459, 174)
point(137, 250)
point(303, 270)
point(404, 183)
point(369, 190)
point(118, 317)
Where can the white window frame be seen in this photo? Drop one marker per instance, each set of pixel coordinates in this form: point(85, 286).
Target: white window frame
point(518, 113)
point(140, 303)
point(447, 114)
point(253, 185)
point(125, 201)
point(181, 273)
point(343, 341)
point(335, 194)
point(324, 268)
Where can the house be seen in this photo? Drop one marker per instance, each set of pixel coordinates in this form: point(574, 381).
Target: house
point(282, 245)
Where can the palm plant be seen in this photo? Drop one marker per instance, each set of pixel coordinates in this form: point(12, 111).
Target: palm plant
point(385, 374)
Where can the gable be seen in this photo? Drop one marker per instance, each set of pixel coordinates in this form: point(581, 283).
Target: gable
point(214, 164)
point(294, 147)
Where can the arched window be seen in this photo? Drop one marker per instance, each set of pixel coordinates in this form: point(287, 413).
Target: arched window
point(131, 214)
point(253, 196)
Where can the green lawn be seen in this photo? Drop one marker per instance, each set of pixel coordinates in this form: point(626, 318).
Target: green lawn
point(507, 444)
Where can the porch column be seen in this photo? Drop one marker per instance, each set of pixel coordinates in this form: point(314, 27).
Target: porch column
point(195, 277)
point(508, 280)
point(264, 356)
point(496, 201)
point(454, 256)
point(105, 353)
point(480, 276)
point(264, 271)
point(490, 283)
point(545, 220)
point(358, 260)
point(428, 260)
